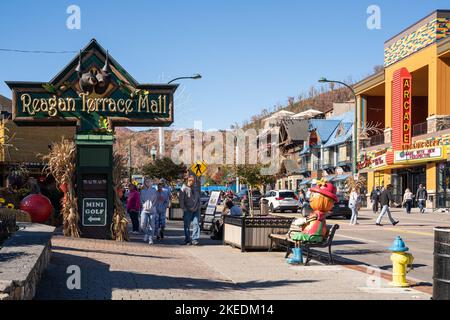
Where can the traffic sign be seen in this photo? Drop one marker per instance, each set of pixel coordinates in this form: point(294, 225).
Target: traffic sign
point(199, 168)
point(94, 212)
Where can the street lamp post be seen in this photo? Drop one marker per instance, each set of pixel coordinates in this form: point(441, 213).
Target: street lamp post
point(161, 129)
point(355, 126)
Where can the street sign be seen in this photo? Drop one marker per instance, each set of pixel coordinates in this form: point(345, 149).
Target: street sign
point(94, 212)
point(211, 210)
point(199, 168)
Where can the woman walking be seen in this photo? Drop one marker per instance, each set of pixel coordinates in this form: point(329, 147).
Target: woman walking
point(353, 204)
point(133, 207)
point(408, 200)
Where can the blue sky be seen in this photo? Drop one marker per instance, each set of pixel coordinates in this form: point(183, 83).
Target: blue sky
point(252, 54)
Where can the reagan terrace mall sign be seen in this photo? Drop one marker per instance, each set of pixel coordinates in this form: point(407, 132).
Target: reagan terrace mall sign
point(95, 93)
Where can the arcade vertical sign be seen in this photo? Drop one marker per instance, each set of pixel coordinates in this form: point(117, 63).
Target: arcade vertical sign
point(401, 109)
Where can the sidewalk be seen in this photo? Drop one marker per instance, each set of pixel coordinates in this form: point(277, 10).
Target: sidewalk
point(168, 270)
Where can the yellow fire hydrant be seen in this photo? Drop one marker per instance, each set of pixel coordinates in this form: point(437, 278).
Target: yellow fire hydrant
point(400, 262)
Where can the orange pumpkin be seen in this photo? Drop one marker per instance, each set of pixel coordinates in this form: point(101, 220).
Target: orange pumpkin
point(319, 202)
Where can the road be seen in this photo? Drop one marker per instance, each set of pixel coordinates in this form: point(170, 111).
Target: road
point(367, 243)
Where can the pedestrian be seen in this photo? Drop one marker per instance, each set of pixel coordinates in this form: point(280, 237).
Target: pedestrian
point(353, 204)
point(162, 202)
point(234, 211)
point(375, 198)
point(148, 213)
point(133, 207)
point(386, 198)
point(245, 205)
point(408, 200)
point(190, 203)
point(421, 196)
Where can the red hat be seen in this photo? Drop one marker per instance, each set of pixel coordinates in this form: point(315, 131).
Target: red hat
point(327, 189)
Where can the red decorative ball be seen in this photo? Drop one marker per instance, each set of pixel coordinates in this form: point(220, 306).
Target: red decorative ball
point(38, 206)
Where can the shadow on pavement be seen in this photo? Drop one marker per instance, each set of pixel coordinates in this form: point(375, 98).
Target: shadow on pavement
point(98, 281)
point(56, 248)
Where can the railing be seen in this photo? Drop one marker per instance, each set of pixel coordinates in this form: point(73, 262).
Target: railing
point(419, 129)
point(377, 140)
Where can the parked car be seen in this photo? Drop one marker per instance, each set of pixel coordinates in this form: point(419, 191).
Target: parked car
point(282, 200)
point(341, 208)
point(256, 197)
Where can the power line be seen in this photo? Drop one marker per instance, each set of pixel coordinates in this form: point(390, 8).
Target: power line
point(39, 51)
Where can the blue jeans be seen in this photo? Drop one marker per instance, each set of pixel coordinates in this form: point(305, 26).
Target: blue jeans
point(421, 204)
point(160, 221)
point(408, 206)
point(193, 217)
point(383, 212)
point(148, 224)
point(354, 218)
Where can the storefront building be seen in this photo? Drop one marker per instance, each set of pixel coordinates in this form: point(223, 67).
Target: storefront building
point(410, 100)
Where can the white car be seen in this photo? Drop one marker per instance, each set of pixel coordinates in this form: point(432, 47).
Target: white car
point(282, 200)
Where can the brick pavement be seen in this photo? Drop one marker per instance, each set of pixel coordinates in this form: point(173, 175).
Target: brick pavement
point(168, 270)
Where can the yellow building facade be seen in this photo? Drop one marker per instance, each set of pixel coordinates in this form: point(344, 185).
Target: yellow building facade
point(422, 52)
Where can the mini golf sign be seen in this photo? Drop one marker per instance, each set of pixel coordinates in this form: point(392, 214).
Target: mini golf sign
point(95, 93)
point(94, 212)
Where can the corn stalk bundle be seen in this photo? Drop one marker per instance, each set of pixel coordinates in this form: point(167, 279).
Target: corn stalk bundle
point(61, 164)
point(119, 224)
point(358, 184)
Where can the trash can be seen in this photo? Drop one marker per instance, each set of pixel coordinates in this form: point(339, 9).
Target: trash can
point(441, 265)
point(264, 207)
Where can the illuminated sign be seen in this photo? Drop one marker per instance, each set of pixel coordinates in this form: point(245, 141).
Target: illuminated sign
point(401, 109)
point(406, 134)
point(420, 155)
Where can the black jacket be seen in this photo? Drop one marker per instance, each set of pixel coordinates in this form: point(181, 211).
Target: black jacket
point(375, 195)
point(421, 194)
point(386, 197)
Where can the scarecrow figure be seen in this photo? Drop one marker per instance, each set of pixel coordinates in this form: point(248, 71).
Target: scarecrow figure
point(314, 227)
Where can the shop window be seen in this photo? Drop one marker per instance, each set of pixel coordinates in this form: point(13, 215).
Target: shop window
point(378, 179)
point(443, 185)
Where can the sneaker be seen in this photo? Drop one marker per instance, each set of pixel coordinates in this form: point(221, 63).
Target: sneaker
point(150, 242)
point(195, 243)
point(186, 243)
point(379, 224)
point(395, 223)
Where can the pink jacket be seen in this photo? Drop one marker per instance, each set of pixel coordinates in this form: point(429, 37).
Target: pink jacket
point(134, 201)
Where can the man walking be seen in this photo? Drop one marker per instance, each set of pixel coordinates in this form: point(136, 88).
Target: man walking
point(385, 199)
point(375, 197)
point(162, 202)
point(421, 196)
point(190, 203)
point(148, 214)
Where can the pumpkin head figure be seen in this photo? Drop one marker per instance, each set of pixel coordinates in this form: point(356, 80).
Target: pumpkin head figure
point(323, 197)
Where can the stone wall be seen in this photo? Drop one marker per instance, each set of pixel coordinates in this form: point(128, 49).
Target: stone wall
point(23, 259)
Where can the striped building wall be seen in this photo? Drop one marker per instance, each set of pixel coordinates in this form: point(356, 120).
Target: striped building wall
point(426, 35)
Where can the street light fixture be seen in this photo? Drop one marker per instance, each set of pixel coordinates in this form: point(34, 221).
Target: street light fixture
point(194, 77)
point(355, 126)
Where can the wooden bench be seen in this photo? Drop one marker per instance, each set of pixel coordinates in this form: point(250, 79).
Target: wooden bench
point(285, 241)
